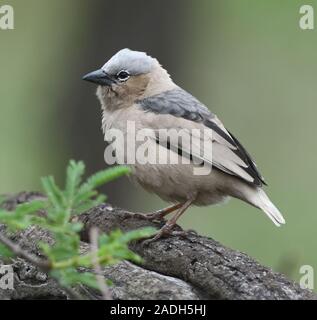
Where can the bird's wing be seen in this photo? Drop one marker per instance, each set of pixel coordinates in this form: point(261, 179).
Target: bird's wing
point(216, 146)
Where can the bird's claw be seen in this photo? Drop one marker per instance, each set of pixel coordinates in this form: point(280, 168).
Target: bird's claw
point(168, 231)
point(148, 216)
point(165, 231)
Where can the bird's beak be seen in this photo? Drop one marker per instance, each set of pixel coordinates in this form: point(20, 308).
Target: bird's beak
point(99, 77)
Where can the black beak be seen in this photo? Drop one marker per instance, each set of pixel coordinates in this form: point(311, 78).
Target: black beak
point(99, 77)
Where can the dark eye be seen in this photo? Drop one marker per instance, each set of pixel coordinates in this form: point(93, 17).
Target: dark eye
point(123, 76)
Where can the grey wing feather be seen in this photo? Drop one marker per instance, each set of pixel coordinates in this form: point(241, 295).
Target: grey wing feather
point(228, 153)
point(178, 103)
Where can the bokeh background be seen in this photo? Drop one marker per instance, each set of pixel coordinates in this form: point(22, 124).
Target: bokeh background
point(247, 60)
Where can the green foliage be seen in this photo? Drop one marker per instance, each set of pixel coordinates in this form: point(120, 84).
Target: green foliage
point(61, 206)
point(2, 199)
point(5, 252)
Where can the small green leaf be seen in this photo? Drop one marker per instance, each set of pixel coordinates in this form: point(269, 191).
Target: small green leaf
point(87, 205)
point(54, 194)
point(2, 199)
point(138, 234)
point(5, 252)
point(75, 171)
point(107, 175)
point(76, 227)
point(88, 279)
point(30, 207)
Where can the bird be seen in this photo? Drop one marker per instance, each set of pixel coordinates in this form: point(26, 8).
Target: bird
point(133, 87)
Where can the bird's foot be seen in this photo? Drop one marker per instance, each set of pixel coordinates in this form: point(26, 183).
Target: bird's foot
point(148, 216)
point(167, 231)
point(156, 215)
point(191, 231)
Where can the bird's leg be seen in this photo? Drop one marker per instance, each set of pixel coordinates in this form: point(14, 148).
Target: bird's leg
point(169, 225)
point(158, 215)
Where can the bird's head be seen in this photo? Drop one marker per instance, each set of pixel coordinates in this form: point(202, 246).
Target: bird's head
point(129, 76)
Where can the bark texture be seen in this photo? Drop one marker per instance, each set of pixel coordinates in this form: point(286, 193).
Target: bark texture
point(191, 267)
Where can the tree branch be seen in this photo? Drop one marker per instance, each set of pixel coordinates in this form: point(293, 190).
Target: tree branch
point(194, 267)
point(44, 265)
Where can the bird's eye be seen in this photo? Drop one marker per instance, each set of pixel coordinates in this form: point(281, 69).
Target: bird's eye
point(123, 75)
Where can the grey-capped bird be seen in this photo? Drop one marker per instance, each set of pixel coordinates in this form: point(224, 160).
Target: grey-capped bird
point(132, 86)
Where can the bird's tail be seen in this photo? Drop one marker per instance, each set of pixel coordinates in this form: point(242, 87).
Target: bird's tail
point(263, 202)
point(258, 198)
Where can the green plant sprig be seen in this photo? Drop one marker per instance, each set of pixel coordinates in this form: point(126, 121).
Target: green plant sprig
point(64, 259)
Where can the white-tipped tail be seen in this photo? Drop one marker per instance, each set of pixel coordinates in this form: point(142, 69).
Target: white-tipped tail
point(263, 202)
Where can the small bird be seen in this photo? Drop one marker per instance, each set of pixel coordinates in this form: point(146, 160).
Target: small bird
point(133, 86)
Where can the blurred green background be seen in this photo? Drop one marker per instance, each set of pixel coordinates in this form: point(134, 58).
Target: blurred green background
point(247, 60)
